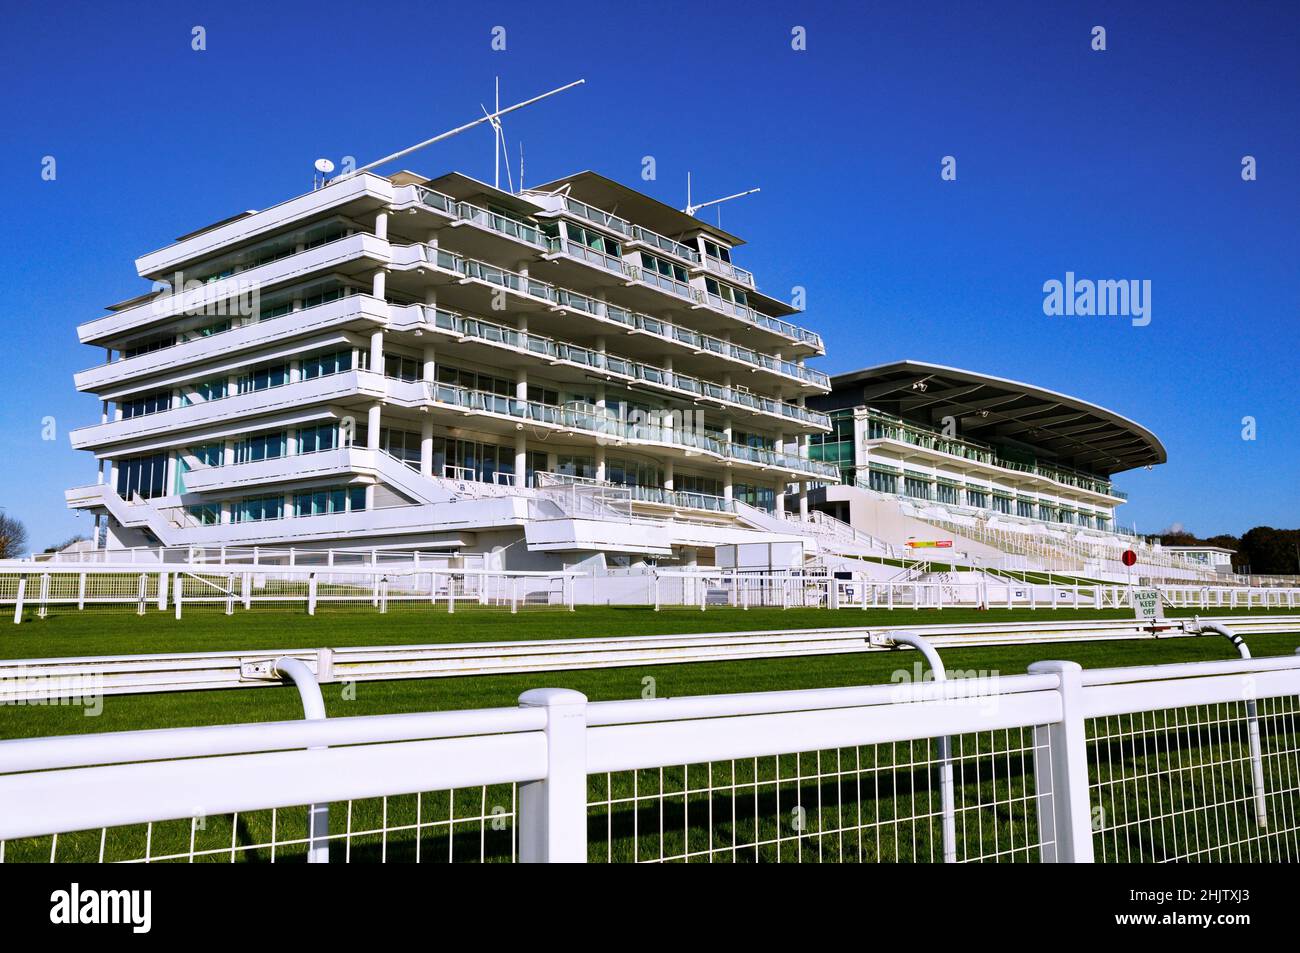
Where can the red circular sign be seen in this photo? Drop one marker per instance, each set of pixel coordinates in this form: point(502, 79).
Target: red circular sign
point(1129, 557)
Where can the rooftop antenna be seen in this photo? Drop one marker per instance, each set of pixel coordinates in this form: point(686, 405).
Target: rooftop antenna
point(469, 125)
point(500, 140)
point(691, 209)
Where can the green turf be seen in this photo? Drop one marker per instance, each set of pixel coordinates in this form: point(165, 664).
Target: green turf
point(117, 631)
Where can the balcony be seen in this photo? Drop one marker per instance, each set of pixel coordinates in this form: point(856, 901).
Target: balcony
point(497, 335)
point(214, 297)
point(725, 269)
point(291, 396)
point(246, 337)
point(602, 423)
point(884, 427)
point(642, 323)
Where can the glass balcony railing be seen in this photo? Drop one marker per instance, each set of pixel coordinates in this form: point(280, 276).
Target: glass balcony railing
point(592, 256)
point(497, 334)
point(562, 297)
point(664, 244)
point(884, 427)
point(727, 270)
point(501, 223)
point(595, 420)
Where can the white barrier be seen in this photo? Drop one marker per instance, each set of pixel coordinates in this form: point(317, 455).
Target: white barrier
point(831, 774)
point(42, 587)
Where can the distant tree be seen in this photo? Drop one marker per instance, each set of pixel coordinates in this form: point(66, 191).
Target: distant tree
point(1271, 552)
point(65, 544)
point(13, 537)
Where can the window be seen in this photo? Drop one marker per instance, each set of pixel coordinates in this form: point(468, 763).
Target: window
point(726, 292)
point(592, 239)
point(636, 473)
point(946, 493)
point(402, 444)
point(471, 380)
point(148, 345)
point(916, 487)
point(690, 483)
point(258, 508)
point(267, 446)
point(882, 481)
point(403, 368)
point(315, 439)
point(145, 476)
point(1025, 508)
point(335, 499)
point(272, 375)
point(1001, 504)
point(660, 266)
point(979, 499)
point(206, 514)
point(572, 465)
point(543, 395)
point(763, 497)
point(204, 391)
point(148, 404)
point(319, 365)
point(714, 250)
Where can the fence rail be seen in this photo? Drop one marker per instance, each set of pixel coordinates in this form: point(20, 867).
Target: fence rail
point(41, 588)
point(1191, 761)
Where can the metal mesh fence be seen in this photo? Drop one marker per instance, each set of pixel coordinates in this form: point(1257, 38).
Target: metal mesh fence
point(1181, 784)
point(873, 803)
point(465, 825)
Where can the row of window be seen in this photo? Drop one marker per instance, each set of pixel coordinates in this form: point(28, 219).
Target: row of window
point(921, 488)
point(306, 503)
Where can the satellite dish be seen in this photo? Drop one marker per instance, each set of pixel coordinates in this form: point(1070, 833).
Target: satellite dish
point(324, 166)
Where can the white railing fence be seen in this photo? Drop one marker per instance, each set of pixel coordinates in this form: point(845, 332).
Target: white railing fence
point(1060, 764)
point(38, 590)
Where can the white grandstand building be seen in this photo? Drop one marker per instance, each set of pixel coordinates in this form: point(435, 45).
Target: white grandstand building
point(953, 461)
point(575, 376)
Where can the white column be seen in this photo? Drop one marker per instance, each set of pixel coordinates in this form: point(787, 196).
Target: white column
point(430, 365)
point(426, 446)
point(668, 474)
point(381, 226)
point(521, 459)
point(372, 441)
point(380, 284)
point(377, 352)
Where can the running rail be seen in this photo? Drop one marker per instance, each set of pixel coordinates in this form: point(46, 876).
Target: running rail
point(33, 680)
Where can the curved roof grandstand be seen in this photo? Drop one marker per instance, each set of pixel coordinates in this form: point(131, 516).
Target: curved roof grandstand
point(999, 411)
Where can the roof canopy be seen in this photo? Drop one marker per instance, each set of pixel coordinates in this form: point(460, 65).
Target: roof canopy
point(998, 411)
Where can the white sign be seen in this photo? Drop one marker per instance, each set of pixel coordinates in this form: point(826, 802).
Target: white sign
point(1147, 605)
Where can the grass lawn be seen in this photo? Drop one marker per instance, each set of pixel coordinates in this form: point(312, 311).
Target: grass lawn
point(116, 631)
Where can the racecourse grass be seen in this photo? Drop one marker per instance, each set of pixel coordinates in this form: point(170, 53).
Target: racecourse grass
point(118, 630)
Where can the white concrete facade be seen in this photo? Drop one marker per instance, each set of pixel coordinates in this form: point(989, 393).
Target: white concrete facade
point(437, 364)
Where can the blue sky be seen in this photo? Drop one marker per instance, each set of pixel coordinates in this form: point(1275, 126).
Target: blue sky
point(1117, 164)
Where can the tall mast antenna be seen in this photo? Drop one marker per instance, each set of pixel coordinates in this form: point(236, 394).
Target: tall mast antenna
point(469, 125)
point(692, 209)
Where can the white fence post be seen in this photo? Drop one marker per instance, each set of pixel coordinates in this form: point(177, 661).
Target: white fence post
point(162, 592)
point(553, 811)
point(81, 590)
point(143, 594)
point(18, 599)
point(45, 595)
point(178, 585)
point(311, 594)
point(1061, 772)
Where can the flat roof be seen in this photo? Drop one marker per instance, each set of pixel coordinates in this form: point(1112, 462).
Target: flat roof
point(615, 197)
point(996, 410)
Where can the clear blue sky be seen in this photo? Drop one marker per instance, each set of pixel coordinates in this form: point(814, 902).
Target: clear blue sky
point(1122, 164)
